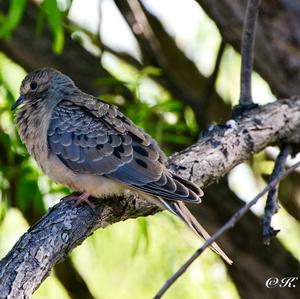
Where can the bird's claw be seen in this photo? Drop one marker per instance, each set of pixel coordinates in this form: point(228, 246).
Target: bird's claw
point(80, 199)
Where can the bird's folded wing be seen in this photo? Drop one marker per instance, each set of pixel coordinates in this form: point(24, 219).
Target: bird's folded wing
point(104, 142)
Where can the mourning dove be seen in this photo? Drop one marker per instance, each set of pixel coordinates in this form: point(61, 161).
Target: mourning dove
point(91, 147)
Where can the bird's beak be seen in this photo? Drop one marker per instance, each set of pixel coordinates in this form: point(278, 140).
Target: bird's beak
point(18, 102)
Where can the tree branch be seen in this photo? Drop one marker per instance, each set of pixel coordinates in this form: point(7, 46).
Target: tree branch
point(247, 48)
point(66, 226)
point(223, 147)
point(271, 207)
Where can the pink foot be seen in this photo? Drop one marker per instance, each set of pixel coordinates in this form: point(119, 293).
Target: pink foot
point(82, 198)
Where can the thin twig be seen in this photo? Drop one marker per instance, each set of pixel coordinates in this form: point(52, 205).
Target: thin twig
point(271, 207)
point(247, 48)
point(228, 225)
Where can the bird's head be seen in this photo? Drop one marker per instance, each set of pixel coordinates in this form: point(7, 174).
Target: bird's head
point(44, 84)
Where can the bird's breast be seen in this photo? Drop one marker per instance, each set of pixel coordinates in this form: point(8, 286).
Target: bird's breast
point(33, 123)
point(95, 185)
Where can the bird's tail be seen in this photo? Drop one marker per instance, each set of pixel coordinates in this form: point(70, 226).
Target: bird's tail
point(179, 209)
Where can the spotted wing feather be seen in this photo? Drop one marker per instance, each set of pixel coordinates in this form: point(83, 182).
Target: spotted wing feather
point(95, 138)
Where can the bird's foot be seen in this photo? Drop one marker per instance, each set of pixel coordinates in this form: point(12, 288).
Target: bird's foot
point(84, 198)
point(81, 198)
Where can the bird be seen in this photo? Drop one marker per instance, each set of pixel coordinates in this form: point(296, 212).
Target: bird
point(92, 148)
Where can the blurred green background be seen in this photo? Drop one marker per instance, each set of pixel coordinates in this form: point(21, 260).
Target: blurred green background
point(173, 84)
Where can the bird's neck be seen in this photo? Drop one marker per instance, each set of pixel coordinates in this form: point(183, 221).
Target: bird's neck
point(33, 123)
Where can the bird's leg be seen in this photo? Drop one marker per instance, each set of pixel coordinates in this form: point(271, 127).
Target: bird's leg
point(80, 198)
point(84, 198)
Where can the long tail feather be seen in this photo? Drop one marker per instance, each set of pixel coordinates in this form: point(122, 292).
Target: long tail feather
point(179, 209)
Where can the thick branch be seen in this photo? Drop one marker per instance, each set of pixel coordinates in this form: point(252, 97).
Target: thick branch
point(65, 226)
point(226, 146)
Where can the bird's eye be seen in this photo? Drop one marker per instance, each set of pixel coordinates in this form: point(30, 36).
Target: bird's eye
point(33, 85)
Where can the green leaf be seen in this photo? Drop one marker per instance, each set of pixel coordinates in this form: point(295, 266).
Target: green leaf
point(13, 18)
point(169, 106)
point(28, 193)
point(142, 238)
point(55, 21)
point(151, 71)
point(111, 81)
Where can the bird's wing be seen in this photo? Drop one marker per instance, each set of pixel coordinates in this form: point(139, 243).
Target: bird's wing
point(96, 138)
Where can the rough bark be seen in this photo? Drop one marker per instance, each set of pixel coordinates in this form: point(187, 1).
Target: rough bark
point(65, 226)
point(232, 144)
point(68, 275)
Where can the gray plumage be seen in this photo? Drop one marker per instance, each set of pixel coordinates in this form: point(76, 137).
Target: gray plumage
point(90, 146)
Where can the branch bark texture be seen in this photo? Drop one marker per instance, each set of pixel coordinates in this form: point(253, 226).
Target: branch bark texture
point(66, 226)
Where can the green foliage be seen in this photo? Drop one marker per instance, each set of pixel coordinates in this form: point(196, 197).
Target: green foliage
point(49, 9)
point(142, 239)
point(13, 18)
point(141, 275)
point(28, 194)
point(55, 20)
